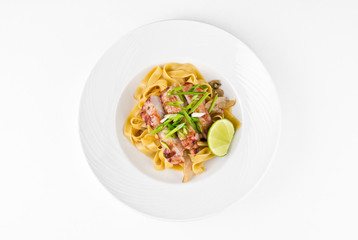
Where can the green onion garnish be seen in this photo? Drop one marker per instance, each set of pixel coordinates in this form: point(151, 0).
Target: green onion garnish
point(204, 87)
point(199, 127)
point(188, 118)
point(170, 126)
point(164, 145)
point(167, 117)
point(165, 123)
point(174, 90)
point(181, 98)
point(175, 103)
point(174, 130)
point(193, 88)
point(188, 93)
point(198, 103)
point(177, 120)
point(192, 102)
point(185, 131)
point(159, 128)
point(213, 103)
point(181, 134)
point(197, 124)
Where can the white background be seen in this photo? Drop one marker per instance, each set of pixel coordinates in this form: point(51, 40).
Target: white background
point(47, 50)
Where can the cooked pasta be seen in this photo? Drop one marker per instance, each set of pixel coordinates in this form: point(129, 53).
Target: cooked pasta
point(136, 130)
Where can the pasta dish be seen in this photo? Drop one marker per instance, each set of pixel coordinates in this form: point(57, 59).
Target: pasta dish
point(175, 111)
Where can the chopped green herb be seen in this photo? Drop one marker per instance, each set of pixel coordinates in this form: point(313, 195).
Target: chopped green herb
point(197, 122)
point(188, 93)
point(213, 103)
point(174, 130)
point(165, 123)
point(192, 102)
point(190, 121)
point(181, 98)
point(199, 127)
point(175, 103)
point(198, 103)
point(174, 90)
point(177, 120)
point(170, 126)
point(204, 86)
point(181, 134)
point(193, 88)
point(168, 117)
point(164, 145)
point(158, 129)
point(177, 117)
point(185, 131)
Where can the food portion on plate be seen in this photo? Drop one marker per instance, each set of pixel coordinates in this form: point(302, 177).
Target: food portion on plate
point(180, 120)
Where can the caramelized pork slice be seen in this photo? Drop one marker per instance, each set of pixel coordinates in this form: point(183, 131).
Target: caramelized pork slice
point(171, 98)
point(190, 139)
point(152, 113)
point(205, 120)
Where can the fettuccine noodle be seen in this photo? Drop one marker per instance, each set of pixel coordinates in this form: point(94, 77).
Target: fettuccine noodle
point(135, 129)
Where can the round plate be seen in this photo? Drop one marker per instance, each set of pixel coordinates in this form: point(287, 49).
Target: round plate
point(108, 97)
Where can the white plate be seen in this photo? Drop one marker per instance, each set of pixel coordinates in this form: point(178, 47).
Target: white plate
point(108, 97)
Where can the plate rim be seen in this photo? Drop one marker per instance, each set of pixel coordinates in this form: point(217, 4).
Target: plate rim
point(236, 201)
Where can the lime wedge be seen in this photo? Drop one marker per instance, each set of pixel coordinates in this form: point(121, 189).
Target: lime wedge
point(219, 137)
